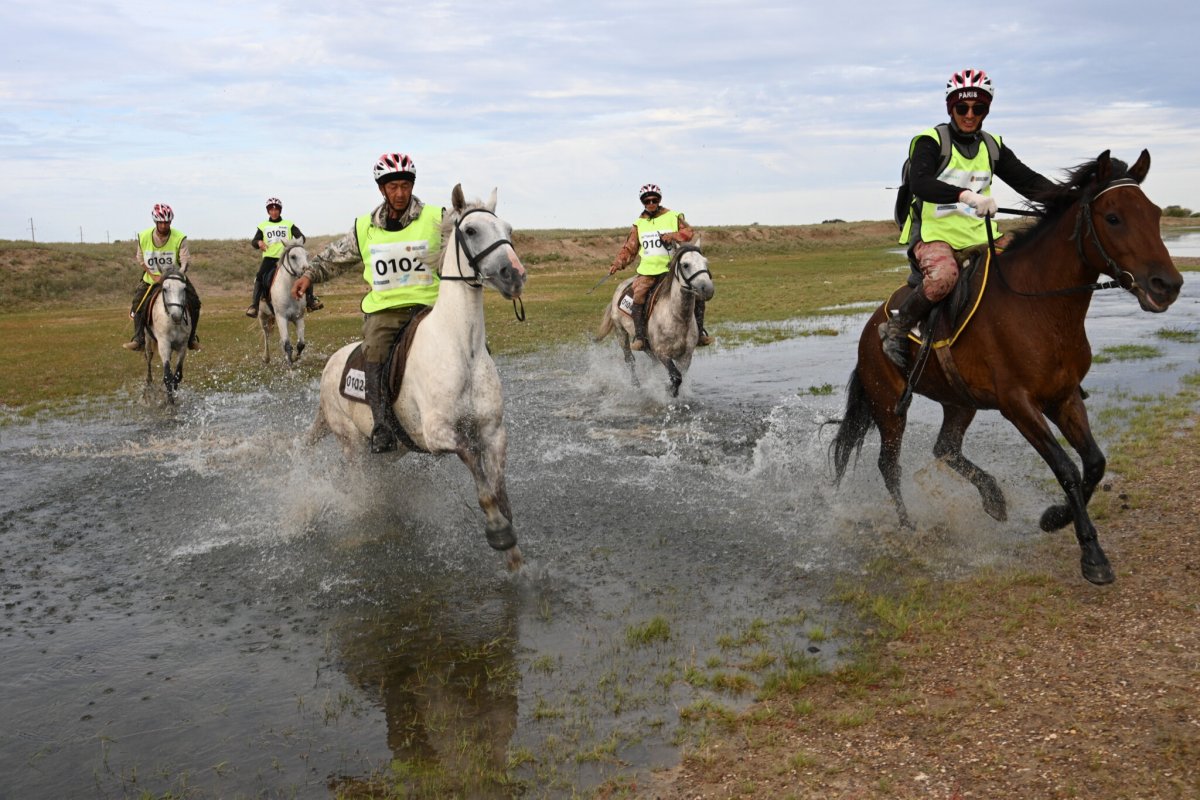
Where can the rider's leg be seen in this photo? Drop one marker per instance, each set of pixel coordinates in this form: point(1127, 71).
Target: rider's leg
point(705, 340)
point(379, 331)
point(193, 301)
point(137, 312)
point(641, 288)
point(939, 273)
point(311, 301)
point(265, 268)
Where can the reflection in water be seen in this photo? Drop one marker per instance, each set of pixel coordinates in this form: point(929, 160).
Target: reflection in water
point(195, 603)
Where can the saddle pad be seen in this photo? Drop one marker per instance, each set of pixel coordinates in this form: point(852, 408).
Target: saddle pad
point(354, 376)
point(958, 308)
point(625, 304)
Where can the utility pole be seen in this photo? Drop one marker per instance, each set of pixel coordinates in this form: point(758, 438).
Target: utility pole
point(32, 234)
point(81, 234)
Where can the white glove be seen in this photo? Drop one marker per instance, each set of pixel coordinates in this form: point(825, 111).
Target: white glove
point(984, 205)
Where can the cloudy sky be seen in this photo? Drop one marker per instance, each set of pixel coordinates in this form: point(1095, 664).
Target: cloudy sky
point(747, 111)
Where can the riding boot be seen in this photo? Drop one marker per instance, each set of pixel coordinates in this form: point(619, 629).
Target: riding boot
point(705, 340)
point(638, 312)
point(894, 332)
point(311, 301)
point(138, 342)
point(383, 437)
point(194, 341)
point(252, 311)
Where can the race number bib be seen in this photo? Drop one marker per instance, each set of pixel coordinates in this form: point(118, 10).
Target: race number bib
point(158, 260)
point(395, 265)
point(356, 384)
point(652, 244)
point(626, 304)
point(275, 235)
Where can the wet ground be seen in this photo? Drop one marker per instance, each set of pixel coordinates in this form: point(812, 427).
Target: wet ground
point(194, 602)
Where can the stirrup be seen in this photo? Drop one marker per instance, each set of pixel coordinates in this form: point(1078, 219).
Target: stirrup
point(705, 340)
point(639, 343)
point(252, 311)
point(316, 305)
point(382, 439)
point(134, 345)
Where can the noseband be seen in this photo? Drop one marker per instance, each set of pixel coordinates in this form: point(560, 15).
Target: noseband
point(475, 280)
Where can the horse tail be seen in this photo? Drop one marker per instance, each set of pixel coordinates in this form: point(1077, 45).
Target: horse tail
point(606, 323)
point(853, 428)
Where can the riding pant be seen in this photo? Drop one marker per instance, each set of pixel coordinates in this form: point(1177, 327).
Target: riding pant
point(380, 329)
point(642, 284)
point(939, 268)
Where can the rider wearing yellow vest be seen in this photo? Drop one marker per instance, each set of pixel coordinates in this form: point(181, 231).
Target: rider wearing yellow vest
point(270, 238)
point(652, 232)
point(159, 248)
point(951, 205)
point(389, 246)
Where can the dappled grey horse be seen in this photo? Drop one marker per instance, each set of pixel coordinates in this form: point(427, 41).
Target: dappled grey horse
point(169, 327)
point(286, 308)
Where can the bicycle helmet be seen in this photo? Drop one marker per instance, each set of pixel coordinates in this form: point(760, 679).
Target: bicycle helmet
point(649, 188)
point(162, 213)
point(968, 84)
point(275, 201)
point(395, 167)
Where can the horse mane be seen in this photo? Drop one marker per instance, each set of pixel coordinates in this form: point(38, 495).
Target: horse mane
point(433, 259)
point(1079, 184)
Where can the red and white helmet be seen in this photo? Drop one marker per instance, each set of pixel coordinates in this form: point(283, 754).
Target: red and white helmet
point(162, 213)
point(649, 188)
point(275, 201)
point(969, 79)
point(395, 167)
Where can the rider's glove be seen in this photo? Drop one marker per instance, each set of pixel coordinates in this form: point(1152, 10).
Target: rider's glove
point(984, 205)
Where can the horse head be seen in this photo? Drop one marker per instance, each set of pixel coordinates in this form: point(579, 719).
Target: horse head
point(1121, 229)
point(483, 240)
point(294, 258)
point(174, 293)
point(691, 270)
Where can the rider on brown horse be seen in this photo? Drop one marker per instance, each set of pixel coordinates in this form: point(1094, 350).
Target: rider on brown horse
point(940, 224)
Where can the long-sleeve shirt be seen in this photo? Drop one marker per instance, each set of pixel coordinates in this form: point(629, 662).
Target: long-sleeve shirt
point(927, 154)
point(343, 254)
point(633, 243)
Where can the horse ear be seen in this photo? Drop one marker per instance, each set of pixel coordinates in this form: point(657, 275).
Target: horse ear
point(1141, 167)
point(457, 201)
point(1103, 168)
point(491, 202)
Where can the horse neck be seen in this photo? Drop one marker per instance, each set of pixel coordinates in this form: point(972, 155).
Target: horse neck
point(1051, 264)
point(458, 312)
point(681, 303)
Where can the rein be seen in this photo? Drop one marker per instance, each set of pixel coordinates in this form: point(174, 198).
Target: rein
point(1084, 215)
point(475, 280)
point(686, 280)
point(181, 279)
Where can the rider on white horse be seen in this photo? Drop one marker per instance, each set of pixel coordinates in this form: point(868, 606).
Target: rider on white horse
point(653, 230)
point(158, 248)
point(270, 238)
point(388, 245)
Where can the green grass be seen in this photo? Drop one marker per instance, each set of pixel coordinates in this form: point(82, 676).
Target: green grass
point(1126, 352)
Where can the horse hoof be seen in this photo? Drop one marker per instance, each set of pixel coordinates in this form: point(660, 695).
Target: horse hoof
point(513, 559)
point(1055, 517)
point(996, 508)
point(1099, 574)
point(502, 539)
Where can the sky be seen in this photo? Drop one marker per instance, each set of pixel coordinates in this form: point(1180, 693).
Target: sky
point(751, 111)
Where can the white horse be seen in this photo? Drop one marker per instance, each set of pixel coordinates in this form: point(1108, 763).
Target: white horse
point(168, 330)
point(671, 330)
point(292, 262)
point(450, 399)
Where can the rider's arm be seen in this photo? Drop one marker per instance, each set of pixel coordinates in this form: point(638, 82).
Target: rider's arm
point(922, 174)
point(1013, 171)
point(258, 237)
point(629, 250)
point(185, 258)
point(337, 257)
point(684, 234)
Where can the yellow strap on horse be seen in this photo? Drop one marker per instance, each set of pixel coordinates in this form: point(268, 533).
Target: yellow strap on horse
point(145, 294)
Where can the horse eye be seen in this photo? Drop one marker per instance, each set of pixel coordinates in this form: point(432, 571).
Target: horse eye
point(1112, 219)
point(470, 230)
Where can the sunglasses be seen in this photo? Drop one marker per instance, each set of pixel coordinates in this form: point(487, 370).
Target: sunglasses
point(651, 200)
point(962, 109)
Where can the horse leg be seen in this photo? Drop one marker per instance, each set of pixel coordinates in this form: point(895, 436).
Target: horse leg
point(299, 336)
point(264, 322)
point(891, 436)
point(633, 378)
point(955, 421)
point(484, 456)
point(1033, 426)
point(168, 378)
point(675, 374)
point(1071, 418)
point(285, 342)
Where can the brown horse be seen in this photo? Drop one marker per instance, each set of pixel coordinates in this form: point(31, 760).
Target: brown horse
point(1025, 351)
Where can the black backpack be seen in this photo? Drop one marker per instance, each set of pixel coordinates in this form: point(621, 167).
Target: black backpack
point(904, 196)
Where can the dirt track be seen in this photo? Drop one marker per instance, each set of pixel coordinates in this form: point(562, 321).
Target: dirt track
point(1046, 686)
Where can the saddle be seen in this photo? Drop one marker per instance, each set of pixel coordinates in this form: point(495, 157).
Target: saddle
point(661, 282)
point(354, 376)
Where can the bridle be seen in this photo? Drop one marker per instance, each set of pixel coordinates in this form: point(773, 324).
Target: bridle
point(475, 280)
point(174, 276)
point(287, 266)
point(1085, 229)
point(685, 279)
